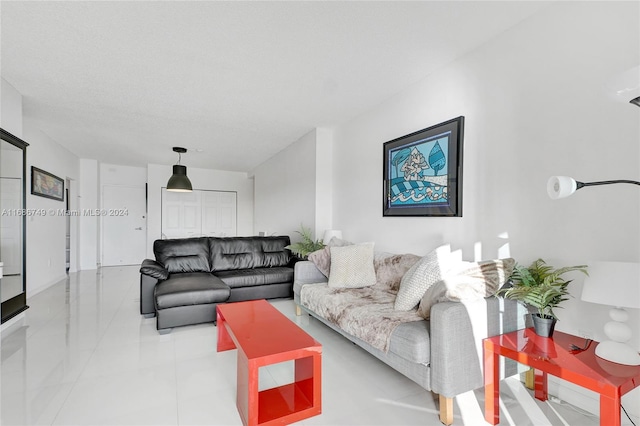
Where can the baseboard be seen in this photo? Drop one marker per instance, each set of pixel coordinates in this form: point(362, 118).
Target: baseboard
point(33, 292)
point(589, 401)
point(575, 395)
point(14, 323)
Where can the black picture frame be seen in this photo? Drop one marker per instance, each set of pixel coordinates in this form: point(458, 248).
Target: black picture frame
point(422, 172)
point(45, 184)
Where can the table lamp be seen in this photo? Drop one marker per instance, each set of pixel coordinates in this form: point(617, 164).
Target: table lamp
point(329, 234)
point(616, 284)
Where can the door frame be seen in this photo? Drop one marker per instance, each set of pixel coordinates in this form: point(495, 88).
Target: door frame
point(144, 229)
point(18, 304)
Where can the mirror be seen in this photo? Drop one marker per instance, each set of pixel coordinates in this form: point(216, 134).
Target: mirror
point(13, 155)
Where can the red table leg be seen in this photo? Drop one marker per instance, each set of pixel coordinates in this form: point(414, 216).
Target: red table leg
point(491, 385)
point(225, 342)
point(609, 410)
point(541, 385)
point(308, 379)
point(247, 392)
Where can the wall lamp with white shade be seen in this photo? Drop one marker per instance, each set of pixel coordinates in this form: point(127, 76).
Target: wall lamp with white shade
point(611, 283)
point(179, 182)
point(564, 186)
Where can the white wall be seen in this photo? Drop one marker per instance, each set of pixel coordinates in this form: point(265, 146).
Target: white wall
point(10, 162)
point(46, 235)
point(285, 190)
point(88, 200)
point(535, 106)
point(203, 179)
point(10, 109)
point(324, 181)
point(116, 175)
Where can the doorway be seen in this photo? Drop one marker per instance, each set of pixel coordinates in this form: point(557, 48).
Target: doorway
point(124, 225)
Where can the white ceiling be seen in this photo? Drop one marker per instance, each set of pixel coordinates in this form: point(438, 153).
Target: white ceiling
point(123, 82)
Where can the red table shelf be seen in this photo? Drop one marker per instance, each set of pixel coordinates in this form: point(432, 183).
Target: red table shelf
point(264, 336)
point(554, 356)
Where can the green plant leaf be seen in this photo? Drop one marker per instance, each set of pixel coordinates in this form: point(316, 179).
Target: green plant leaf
point(540, 285)
point(307, 245)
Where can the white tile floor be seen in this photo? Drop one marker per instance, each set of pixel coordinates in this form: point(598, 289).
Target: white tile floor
point(83, 355)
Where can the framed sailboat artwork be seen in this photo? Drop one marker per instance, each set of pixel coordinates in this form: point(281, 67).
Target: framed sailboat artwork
point(423, 172)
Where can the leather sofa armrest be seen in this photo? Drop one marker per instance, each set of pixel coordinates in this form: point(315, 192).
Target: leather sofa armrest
point(293, 260)
point(154, 269)
point(150, 273)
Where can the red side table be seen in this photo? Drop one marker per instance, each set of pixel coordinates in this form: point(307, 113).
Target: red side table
point(264, 336)
point(554, 356)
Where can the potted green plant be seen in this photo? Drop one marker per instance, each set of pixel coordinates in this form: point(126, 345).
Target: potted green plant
point(308, 245)
point(542, 287)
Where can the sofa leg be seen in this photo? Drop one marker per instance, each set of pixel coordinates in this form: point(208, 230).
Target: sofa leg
point(446, 410)
point(163, 331)
point(298, 310)
point(151, 315)
point(530, 378)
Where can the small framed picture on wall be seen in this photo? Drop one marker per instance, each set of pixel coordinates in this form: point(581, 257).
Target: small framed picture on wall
point(45, 184)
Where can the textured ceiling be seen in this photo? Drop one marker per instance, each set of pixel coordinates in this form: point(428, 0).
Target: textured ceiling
point(123, 82)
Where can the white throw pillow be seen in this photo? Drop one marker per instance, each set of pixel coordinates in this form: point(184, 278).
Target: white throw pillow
point(352, 266)
point(426, 272)
point(322, 258)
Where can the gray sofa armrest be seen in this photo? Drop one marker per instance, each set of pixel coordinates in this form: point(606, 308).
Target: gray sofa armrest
point(305, 273)
point(457, 331)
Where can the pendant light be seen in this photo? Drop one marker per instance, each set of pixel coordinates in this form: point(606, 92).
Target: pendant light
point(179, 182)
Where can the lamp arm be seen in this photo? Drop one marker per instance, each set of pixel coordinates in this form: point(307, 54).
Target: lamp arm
point(606, 182)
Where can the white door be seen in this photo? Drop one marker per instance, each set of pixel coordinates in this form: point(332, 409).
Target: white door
point(218, 214)
point(199, 213)
point(181, 214)
point(124, 225)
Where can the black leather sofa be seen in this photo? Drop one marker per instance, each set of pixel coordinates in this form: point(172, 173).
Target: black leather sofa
point(190, 276)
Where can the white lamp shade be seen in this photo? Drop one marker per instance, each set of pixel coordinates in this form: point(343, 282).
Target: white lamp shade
point(561, 187)
point(614, 284)
point(329, 234)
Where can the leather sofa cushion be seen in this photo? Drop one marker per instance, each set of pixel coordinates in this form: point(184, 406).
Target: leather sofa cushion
point(183, 255)
point(186, 289)
point(257, 276)
point(237, 253)
point(273, 252)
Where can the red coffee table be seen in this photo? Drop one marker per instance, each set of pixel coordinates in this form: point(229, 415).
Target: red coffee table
point(264, 336)
point(554, 356)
